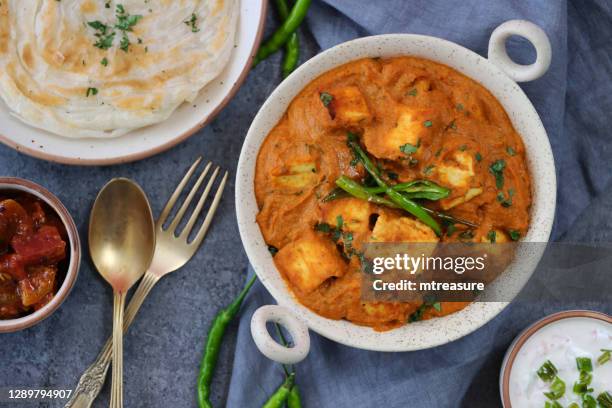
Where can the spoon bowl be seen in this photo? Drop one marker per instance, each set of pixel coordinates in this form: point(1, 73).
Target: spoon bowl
point(121, 233)
point(121, 243)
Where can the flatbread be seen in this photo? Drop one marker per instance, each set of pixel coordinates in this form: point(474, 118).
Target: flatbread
point(95, 69)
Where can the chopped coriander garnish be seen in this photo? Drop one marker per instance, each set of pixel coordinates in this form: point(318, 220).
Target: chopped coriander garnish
point(322, 227)
point(418, 314)
point(104, 37)
point(604, 357)
point(124, 44)
point(91, 91)
point(547, 371)
point(505, 202)
point(510, 151)
point(491, 236)
point(462, 148)
point(453, 125)
point(557, 389)
point(409, 148)
point(104, 61)
point(478, 157)
point(552, 404)
point(412, 92)
point(573, 405)
point(272, 249)
point(125, 22)
point(514, 235)
point(459, 107)
point(98, 26)
point(427, 123)
point(584, 364)
point(339, 222)
point(437, 154)
point(192, 22)
point(497, 169)
point(428, 170)
point(326, 98)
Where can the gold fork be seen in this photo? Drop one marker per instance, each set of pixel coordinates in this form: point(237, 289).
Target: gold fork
point(172, 251)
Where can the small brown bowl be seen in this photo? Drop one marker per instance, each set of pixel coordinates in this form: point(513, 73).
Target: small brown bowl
point(521, 339)
point(13, 184)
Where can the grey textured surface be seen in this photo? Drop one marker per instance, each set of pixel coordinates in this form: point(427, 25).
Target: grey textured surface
point(164, 346)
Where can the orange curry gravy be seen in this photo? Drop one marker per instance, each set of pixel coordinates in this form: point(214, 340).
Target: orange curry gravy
point(418, 120)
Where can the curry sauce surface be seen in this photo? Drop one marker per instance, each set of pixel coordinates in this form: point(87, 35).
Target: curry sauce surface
point(455, 131)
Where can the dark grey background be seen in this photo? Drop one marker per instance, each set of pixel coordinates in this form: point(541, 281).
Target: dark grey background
point(164, 346)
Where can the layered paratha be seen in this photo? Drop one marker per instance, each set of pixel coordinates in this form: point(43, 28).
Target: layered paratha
point(101, 68)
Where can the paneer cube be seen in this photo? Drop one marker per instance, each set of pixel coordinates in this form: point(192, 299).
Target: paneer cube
point(297, 176)
point(411, 127)
point(453, 202)
point(458, 174)
point(310, 261)
point(355, 214)
point(349, 107)
point(391, 228)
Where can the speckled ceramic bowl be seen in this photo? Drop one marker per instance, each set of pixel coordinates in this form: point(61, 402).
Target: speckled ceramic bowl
point(499, 75)
point(11, 184)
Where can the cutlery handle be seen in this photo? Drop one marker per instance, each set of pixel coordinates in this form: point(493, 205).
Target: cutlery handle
point(117, 377)
point(93, 378)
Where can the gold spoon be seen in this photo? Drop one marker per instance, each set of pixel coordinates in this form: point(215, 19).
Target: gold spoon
point(121, 243)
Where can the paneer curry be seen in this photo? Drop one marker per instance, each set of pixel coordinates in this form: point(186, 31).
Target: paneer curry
point(385, 150)
point(32, 249)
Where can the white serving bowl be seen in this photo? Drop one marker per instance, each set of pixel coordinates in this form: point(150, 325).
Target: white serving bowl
point(498, 74)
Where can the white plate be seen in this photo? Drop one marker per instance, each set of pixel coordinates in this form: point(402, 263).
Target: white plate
point(145, 142)
point(496, 74)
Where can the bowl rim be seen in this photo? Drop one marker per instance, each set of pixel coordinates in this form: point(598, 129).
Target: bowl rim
point(373, 46)
point(526, 334)
point(179, 138)
point(23, 185)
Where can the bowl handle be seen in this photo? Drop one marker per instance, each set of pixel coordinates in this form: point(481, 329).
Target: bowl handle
point(268, 346)
point(534, 34)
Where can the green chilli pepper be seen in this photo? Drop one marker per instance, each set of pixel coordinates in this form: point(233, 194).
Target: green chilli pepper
point(355, 189)
point(294, 400)
point(292, 46)
point(213, 345)
point(397, 198)
point(283, 34)
point(282, 393)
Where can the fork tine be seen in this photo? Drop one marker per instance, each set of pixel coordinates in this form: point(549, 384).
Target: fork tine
point(211, 211)
point(181, 212)
point(177, 192)
point(196, 212)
